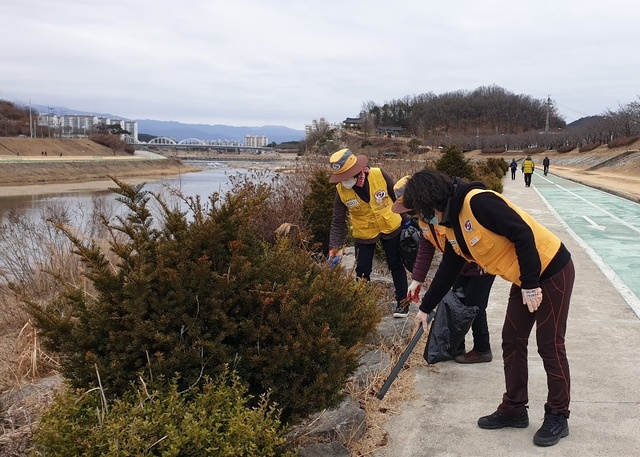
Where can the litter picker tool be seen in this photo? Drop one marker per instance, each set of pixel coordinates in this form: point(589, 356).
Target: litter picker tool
point(401, 361)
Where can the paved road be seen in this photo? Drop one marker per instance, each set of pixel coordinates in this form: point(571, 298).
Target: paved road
point(603, 338)
point(605, 225)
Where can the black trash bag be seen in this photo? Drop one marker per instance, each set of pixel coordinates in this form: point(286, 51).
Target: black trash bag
point(409, 241)
point(449, 326)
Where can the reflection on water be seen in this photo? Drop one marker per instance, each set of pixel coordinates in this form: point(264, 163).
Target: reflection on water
point(213, 178)
point(24, 234)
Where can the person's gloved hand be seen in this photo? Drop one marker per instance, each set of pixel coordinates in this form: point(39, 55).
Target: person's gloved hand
point(532, 298)
point(413, 294)
point(423, 318)
point(335, 255)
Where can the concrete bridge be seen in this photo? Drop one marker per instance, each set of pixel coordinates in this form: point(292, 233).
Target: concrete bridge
point(169, 146)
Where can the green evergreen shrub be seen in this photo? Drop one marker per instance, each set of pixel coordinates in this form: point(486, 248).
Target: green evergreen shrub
point(493, 183)
point(498, 167)
point(191, 292)
point(453, 163)
point(317, 208)
point(212, 419)
point(491, 172)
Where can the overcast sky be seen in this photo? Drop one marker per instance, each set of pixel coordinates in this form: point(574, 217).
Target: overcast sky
point(287, 62)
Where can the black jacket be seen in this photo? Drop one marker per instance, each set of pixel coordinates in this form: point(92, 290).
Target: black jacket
point(495, 215)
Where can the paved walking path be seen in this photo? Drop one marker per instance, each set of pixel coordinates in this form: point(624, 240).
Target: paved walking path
point(603, 342)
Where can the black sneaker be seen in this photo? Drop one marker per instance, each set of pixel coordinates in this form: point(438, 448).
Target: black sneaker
point(401, 311)
point(500, 420)
point(554, 427)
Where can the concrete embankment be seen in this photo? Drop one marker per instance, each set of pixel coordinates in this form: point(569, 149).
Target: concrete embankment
point(36, 164)
point(43, 172)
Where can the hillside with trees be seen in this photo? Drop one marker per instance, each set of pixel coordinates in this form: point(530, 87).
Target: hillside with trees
point(14, 120)
point(493, 117)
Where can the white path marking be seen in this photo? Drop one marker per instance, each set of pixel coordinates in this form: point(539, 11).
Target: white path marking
point(632, 300)
point(594, 225)
point(612, 216)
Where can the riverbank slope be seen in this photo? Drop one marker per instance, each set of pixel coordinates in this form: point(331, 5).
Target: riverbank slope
point(40, 166)
point(43, 166)
point(85, 165)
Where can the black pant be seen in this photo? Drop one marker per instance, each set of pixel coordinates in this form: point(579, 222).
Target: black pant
point(476, 290)
point(527, 179)
point(513, 174)
point(364, 264)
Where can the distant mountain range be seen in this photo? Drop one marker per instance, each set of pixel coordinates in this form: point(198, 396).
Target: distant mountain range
point(180, 131)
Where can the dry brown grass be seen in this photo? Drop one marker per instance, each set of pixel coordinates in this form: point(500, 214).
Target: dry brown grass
point(378, 412)
point(402, 390)
point(25, 147)
point(27, 378)
point(34, 266)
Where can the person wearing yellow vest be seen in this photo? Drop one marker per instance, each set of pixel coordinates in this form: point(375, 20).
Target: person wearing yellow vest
point(527, 168)
point(474, 283)
point(365, 196)
point(485, 227)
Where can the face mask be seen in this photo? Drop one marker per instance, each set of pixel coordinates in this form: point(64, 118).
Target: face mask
point(349, 183)
point(429, 219)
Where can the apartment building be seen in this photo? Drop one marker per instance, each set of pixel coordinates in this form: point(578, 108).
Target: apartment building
point(255, 141)
point(81, 125)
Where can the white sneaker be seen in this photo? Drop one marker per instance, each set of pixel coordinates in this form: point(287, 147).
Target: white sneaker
point(401, 311)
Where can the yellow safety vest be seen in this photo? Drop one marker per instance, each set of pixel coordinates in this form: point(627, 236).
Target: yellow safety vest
point(368, 220)
point(495, 253)
point(440, 238)
point(528, 166)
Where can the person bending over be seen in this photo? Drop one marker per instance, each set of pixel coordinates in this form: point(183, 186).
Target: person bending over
point(485, 227)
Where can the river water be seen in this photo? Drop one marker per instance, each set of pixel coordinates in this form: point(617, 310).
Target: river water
point(24, 232)
point(215, 177)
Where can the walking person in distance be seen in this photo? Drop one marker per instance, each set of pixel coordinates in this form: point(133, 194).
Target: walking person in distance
point(527, 169)
point(365, 195)
point(545, 165)
point(514, 168)
point(485, 227)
